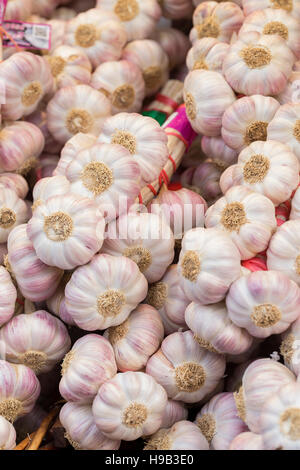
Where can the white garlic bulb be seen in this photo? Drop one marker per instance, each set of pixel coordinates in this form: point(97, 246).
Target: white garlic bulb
point(295, 212)
point(217, 151)
point(247, 441)
point(8, 296)
point(183, 435)
point(290, 94)
point(289, 348)
point(285, 127)
point(13, 212)
point(208, 54)
point(15, 182)
point(57, 302)
point(77, 143)
point(7, 435)
point(46, 188)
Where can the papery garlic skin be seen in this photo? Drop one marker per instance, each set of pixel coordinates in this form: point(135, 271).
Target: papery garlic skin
point(289, 348)
point(18, 10)
point(143, 137)
point(208, 54)
point(27, 80)
point(46, 188)
point(37, 340)
point(175, 411)
point(214, 330)
point(19, 390)
point(88, 365)
point(73, 146)
point(258, 64)
point(247, 441)
point(7, 435)
point(207, 96)
point(264, 302)
point(219, 422)
point(15, 182)
point(66, 231)
point(175, 44)
point(144, 238)
point(151, 58)
point(285, 127)
point(129, 406)
point(217, 151)
point(247, 121)
point(289, 6)
point(81, 430)
point(8, 296)
point(123, 83)
point(104, 292)
point(13, 212)
point(75, 109)
point(290, 94)
point(136, 339)
point(187, 371)
point(36, 280)
point(238, 215)
point(217, 20)
point(201, 280)
point(203, 179)
point(183, 435)
point(99, 34)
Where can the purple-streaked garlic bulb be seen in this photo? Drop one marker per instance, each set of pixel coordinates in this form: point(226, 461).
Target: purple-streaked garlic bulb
point(7, 435)
point(183, 435)
point(75, 109)
point(187, 371)
point(219, 422)
point(139, 17)
point(104, 292)
point(208, 54)
point(214, 330)
point(289, 6)
point(99, 34)
point(209, 263)
point(218, 152)
point(275, 22)
point(217, 20)
point(129, 406)
point(207, 95)
point(285, 127)
point(81, 430)
point(88, 365)
point(107, 174)
point(258, 64)
point(144, 238)
point(247, 441)
point(19, 390)
point(69, 66)
point(18, 10)
point(175, 44)
point(44, 7)
point(143, 137)
point(21, 143)
point(8, 296)
point(39, 119)
point(123, 84)
point(57, 303)
point(13, 212)
point(295, 212)
point(136, 339)
point(204, 179)
point(247, 121)
point(269, 168)
point(176, 9)
point(36, 280)
point(27, 79)
point(46, 188)
point(153, 61)
point(71, 149)
point(247, 217)
point(289, 348)
point(15, 182)
point(175, 411)
point(291, 92)
point(264, 303)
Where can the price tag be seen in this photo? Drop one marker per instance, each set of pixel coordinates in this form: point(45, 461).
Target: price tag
point(27, 35)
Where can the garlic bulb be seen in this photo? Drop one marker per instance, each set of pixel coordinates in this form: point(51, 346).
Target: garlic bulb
point(58, 31)
point(139, 17)
point(197, 2)
point(104, 292)
point(15, 182)
point(44, 7)
point(3, 252)
point(208, 54)
point(18, 10)
point(27, 79)
point(289, 348)
point(8, 296)
point(261, 381)
point(136, 339)
point(19, 390)
point(70, 150)
point(204, 180)
point(290, 6)
point(21, 143)
point(150, 57)
point(275, 21)
point(129, 406)
point(187, 371)
point(238, 215)
point(37, 340)
point(295, 212)
point(69, 66)
point(57, 303)
point(207, 96)
point(208, 264)
point(75, 109)
point(168, 297)
point(109, 175)
point(64, 13)
point(269, 168)
point(81, 430)
point(290, 94)
point(285, 127)
point(219, 422)
point(13, 212)
point(122, 82)
point(258, 64)
point(176, 9)
point(264, 303)
point(175, 44)
point(39, 119)
point(175, 411)
point(183, 435)
point(216, 20)
point(66, 231)
point(144, 238)
point(143, 137)
point(88, 365)
point(99, 34)
point(36, 280)
point(217, 151)
point(214, 330)
point(46, 188)
point(7, 435)
point(247, 441)
point(247, 121)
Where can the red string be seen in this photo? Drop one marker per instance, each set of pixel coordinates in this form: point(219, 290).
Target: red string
point(20, 302)
point(163, 178)
point(179, 136)
point(167, 100)
point(173, 163)
point(140, 199)
point(152, 189)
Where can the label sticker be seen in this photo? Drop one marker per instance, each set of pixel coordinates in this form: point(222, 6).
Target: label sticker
point(27, 35)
